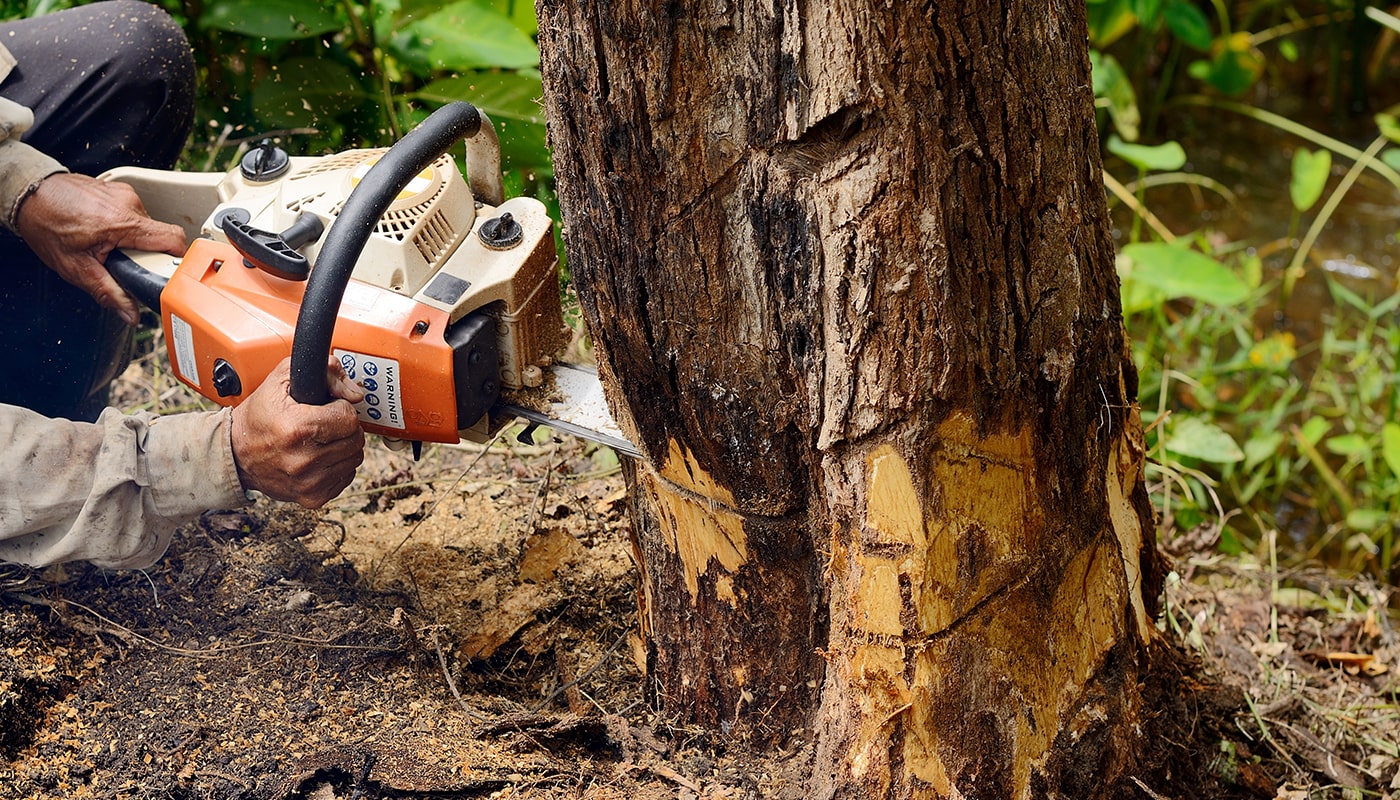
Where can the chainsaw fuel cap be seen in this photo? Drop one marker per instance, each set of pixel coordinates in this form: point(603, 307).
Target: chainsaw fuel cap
point(266, 162)
point(501, 233)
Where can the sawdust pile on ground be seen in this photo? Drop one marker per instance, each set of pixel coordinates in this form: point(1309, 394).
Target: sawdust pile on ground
point(464, 626)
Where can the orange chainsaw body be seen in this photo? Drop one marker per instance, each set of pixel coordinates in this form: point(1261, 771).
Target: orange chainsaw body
point(227, 326)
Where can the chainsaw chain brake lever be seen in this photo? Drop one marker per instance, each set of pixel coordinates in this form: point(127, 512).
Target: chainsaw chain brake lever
point(273, 253)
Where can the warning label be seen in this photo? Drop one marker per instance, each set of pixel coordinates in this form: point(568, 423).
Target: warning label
point(379, 377)
point(183, 336)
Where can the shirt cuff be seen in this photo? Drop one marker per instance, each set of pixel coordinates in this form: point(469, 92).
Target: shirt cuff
point(21, 169)
point(188, 463)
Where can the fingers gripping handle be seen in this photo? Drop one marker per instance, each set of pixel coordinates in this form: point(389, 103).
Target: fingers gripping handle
point(415, 152)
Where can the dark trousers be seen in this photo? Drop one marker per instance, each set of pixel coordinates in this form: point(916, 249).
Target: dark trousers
point(111, 84)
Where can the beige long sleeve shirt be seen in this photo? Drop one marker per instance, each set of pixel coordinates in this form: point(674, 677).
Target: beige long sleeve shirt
point(110, 492)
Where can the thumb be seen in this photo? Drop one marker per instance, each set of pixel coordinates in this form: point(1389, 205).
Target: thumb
point(340, 385)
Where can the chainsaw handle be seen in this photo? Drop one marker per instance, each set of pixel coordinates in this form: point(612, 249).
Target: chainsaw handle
point(415, 152)
point(138, 281)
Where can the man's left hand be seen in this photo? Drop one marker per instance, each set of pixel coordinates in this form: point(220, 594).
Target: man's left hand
point(72, 222)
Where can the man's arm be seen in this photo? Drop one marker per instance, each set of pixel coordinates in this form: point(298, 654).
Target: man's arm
point(113, 492)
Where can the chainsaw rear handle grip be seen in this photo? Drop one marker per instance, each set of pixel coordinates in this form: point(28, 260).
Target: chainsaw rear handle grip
point(138, 281)
point(415, 152)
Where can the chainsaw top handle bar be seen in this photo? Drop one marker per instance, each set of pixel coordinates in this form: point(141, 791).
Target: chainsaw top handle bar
point(415, 152)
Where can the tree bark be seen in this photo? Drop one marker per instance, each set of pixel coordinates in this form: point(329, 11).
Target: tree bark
point(848, 269)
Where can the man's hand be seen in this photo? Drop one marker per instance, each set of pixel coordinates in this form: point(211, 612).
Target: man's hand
point(301, 453)
point(72, 222)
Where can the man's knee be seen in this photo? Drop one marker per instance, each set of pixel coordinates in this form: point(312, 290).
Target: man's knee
point(147, 42)
point(110, 83)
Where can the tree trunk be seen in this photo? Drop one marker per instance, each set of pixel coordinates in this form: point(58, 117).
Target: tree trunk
point(848, 269)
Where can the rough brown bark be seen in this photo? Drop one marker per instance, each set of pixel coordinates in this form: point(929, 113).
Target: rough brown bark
point(848, 268)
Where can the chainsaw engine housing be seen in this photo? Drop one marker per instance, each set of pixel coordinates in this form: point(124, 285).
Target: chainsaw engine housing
point(450, 302)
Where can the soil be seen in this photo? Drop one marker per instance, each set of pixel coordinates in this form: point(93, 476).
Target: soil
point(464, 626)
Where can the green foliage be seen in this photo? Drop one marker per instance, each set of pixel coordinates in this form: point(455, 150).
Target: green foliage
point(1310, 171)
point(1257, 421)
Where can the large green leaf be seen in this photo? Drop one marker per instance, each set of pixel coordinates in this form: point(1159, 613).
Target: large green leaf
point(465, 35)
point(1165, 156)
point(1310, 171)
point(1193, 437)
point(1109, 20)
point(1349, 444)
point(1390, 446)
point(305, 92)
point(271, 19)
point(1179, 272)
point(1188, 23)
point(512, 100)
point(502, 95)
point(1234, 66)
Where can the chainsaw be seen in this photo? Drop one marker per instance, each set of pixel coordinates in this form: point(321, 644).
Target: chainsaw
point(437, 295)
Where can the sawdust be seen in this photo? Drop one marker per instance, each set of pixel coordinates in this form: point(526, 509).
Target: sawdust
point(464, 626)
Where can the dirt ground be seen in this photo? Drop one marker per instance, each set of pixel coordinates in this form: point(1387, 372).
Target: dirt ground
point(463, 626)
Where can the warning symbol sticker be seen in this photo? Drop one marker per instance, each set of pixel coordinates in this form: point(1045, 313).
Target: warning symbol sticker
point(379, 377)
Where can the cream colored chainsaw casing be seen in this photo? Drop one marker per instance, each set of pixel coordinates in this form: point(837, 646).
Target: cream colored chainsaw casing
point(425, 246)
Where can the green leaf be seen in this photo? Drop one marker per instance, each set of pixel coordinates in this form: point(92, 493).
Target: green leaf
point(271, 19)
point(502, 95)
point(1288, 50)
point(1390, 447)
point(1391, 158)
point(1179, 272)
point(512, 101)
point(1349, 444)
point(1109, 20)
point(1136, 295)
point(1193, 437)
point(305, 92)
point(1189, 24)
point(1314, 429)
point(1388, 126)
point(1367, 519)
point(1165, 156)
point(1234, 67)
point(1112, 84)
point(1148, 13)
point(1274, 352)
point(465, 35)
point(1261, 447)
point(1310, 171)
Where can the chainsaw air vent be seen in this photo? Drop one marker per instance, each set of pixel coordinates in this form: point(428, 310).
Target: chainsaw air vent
point(296, 206)
point(435, 237)
point(340, 161)
point(414, 236)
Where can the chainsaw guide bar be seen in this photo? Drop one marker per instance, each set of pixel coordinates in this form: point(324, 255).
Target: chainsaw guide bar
point(577, 407)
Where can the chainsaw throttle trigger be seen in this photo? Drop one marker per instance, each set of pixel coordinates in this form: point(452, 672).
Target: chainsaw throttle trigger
point(274, 253)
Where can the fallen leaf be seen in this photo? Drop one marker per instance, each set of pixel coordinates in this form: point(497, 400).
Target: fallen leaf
point(1352, 663)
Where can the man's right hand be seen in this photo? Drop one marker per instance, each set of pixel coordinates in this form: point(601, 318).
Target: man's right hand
point(304, 454)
